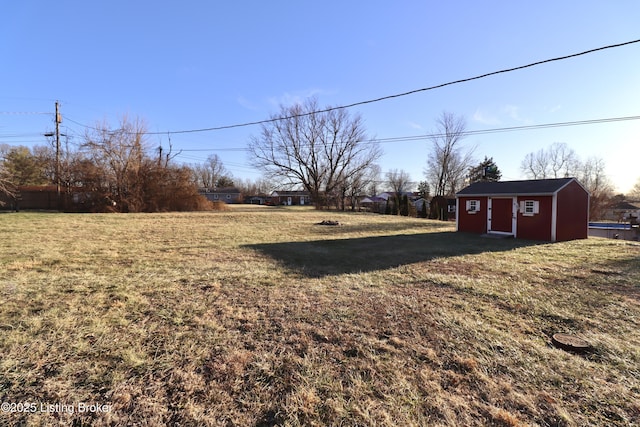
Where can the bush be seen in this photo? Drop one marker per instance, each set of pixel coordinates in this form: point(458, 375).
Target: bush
point(439, 208)
point(218, 205)
point(404, 206)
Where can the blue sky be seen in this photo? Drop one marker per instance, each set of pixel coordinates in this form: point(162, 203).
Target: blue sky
point(200, 64)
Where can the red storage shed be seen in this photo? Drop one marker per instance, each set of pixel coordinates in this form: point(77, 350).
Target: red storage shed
point(543, 209)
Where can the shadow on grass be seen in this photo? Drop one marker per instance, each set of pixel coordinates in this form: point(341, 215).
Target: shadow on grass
point(320, 258)
point(378, 228)
point(620, 276)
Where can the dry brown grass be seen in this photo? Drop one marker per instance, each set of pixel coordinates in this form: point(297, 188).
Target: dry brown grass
point(257, 316)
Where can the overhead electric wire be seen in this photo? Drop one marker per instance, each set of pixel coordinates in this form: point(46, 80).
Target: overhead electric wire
point(465, 133)
point(428, 136)
point(384, 98)
point(516, 128)
point(217, 149)
point(26, 113)
point(407, 138)
point(21, 135)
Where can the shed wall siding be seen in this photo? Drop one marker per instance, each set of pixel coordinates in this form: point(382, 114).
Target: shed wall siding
point(537, 226)
point(472, 222)
point(573, 213)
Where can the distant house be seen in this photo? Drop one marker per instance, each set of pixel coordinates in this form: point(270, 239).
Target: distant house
point(259, 199)
point(392, 195)
point(419, 203)
point(226, 194)
point(372, 199)
point(442, 208)
point(46, 197)
point(624, 212)
point(379, 203)
point(545, 209)
point(374, 204)
point(290, 198)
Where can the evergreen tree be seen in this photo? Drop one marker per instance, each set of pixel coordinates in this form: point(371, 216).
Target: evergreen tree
point(424, 189)
point(487, 170)
point(423, 211)
point(404, 206)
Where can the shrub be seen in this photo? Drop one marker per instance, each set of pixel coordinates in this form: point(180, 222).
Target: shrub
point(218, 205)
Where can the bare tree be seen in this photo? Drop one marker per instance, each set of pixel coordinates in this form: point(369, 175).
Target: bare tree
point(119, 154)
point(534, 165)
point(7, 187)
point(254, 187)
point(210, 172)
point(557, 161)
point(592, 175)
point(314, 149)
point(563, 160)
point(399, 182)
point(634, 194)
point(373, 179)
point(447, 163)
point(355, 186)
point(560, 161)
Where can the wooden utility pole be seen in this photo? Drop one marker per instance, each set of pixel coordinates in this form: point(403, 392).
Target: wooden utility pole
point(58, 121)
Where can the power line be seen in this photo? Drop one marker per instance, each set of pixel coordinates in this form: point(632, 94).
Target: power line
point(384, 98)
point(217, 149)
point(26, 113)
point(417, 137)
point(20, 135)
point(465, 133)
point(528, 127)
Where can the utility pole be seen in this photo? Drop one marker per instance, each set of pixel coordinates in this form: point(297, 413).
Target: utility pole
point(58, 121)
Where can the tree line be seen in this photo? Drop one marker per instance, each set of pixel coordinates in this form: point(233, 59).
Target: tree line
point(559, 161)
point(111, 170)
point(325, 151)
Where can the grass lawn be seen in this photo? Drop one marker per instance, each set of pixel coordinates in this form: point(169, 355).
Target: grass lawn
point(258, 316)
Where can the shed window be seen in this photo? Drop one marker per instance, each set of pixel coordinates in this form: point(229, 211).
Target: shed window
point(473, 206)
point(529, 207)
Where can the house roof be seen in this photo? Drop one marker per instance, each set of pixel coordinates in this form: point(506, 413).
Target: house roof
point(626, 206)
point(227, 190)
point(289, 193)
point(373, 199)
point(540, 187)
point(222, 190)
point(388, 194)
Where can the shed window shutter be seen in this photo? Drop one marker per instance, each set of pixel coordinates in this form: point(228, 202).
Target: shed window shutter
point(536, 207)
point(468, 205)
point(522, 206)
